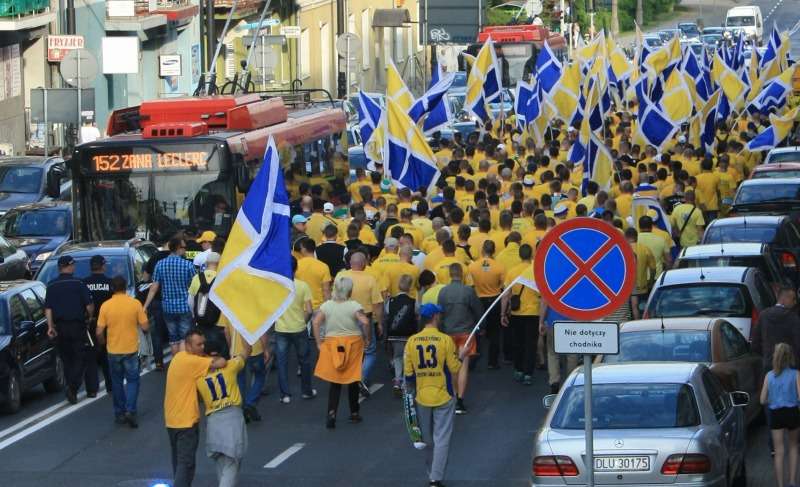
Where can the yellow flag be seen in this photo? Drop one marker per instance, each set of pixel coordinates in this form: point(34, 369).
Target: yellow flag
point(396, 88)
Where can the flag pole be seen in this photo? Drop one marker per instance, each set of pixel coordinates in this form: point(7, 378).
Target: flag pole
point(486, 313)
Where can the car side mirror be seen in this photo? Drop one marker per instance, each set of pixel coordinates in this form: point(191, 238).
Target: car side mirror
point(740, 399)
point(548, 400)
point(53, 183)
point(26, 326)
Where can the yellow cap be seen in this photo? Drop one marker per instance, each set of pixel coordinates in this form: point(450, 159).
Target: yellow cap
point(207, 236)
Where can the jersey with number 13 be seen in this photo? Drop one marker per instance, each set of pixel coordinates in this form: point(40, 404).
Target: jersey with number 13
point(431, 360)
point(219, 388)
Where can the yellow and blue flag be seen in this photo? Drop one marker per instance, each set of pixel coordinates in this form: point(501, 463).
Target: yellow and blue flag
point(655, 127)
point(774, 94)
point(566, 94)
point(648, 205)
point(254, 284)
point(548, 68)
point(396, 88)
point(408, 159)
point(774, 134)
point(438, 111)
point(483, 82)
point(369, 114)
point(728, 79)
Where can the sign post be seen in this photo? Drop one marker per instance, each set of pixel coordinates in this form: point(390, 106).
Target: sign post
point(585, 270)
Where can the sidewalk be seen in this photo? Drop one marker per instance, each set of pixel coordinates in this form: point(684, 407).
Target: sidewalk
point(711, 11)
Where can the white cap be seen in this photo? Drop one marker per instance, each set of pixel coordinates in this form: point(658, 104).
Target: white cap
point(501, 147)
point(328, 207)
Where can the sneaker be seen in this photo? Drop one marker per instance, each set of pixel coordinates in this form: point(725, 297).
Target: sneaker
point(310, 396)
point(518, 376)
point(130, 418)
point(330, 422)
point(355, 418)
point(527, 380)
point(72, 397)
point(254, 414)
point(364, 389)
point(460, 408)
point(285, 399)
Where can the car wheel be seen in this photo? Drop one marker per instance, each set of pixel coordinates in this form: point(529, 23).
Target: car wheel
point(741, 479)
point(57, 382)
point(13, 394)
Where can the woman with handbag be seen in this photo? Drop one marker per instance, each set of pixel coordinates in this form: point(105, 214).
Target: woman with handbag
point(341, 330)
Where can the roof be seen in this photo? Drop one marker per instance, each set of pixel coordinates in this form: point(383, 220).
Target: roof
point(742, 9)
point(777, 166)
point(27, 160)
point(106, 247)
point(737, 249)
point(695, 323)
point(639, 372)
point(770, 181)
point(8, 285)
point(760, 220)
point(44, 205)
point(693, 275)
point(784, 150)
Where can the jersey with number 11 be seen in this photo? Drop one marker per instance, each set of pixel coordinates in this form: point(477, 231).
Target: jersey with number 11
point(431, 361)
point(219, 388)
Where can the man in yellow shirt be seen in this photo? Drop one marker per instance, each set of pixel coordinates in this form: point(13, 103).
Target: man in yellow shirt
point(488, 276)
point(443, 266)
point(393, 272)
point(645, 270)
point(625, 200)
point(687, 221)
point(120, 317)
point(506, 219)
point(408, 227)
point(181, 409)
point(483, 234)
point(520, 313)
point(658, 247)
point(431, 360)
point(509, 256)
point(708, 190)
point(314, 272)
point(538, 232)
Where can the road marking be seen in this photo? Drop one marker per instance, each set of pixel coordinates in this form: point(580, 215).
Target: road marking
point(372, 390)
point(56, 412)
point(275, 462)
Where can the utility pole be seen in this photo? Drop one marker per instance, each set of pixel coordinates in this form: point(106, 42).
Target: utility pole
point(211, 41)
point(71, 17)
point(341, 83)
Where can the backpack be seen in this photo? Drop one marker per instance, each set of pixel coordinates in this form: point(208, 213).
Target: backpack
point(206, 312)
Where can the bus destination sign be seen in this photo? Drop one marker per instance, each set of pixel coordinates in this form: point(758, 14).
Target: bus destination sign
point(143, 162)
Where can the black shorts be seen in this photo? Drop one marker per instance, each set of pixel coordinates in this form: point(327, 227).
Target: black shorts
point(784, 418)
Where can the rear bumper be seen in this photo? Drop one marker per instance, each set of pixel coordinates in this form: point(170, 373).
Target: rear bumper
point(557, 481)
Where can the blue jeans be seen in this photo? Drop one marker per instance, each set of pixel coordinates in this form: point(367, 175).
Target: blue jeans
point(369, 356)
point(178, 325)
point(256, 367)
point(300, 342)
point(124, 368)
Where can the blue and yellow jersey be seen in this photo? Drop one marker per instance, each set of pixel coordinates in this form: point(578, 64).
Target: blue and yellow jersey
point(430, 361)
point(219, 388)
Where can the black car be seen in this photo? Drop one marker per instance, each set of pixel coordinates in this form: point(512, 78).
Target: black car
point(38, 229)
point(125, 258)
point(27, 355)
point(29, 179)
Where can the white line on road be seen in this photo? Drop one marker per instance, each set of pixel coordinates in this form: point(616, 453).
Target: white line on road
point(275, 462)
point(372, 390)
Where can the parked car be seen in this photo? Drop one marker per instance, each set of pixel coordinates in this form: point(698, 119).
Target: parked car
point(783, 154)
point(24, 179)
point(737, 294)
point(767, 195)
point(27, 355)
point(711, 41)
point(777, 170)
point(714, 342)
point(38, 229)
point(781, 232)
point(668, 34)
point(654, 424)
point(758, 255)
point(14, 262)
point(125, 258)
point(689, 30)
point(652, 41)
point(714, 30)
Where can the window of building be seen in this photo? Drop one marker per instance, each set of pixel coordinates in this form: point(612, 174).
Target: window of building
point(305, 54)
point(366, 24)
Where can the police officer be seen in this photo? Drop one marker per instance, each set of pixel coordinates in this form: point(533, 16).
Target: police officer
point(100, 288)
point(68, 304)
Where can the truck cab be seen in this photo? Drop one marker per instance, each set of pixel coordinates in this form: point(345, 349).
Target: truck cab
point(747, 20)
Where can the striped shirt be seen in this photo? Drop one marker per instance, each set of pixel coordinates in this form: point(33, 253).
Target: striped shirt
point(174, 274)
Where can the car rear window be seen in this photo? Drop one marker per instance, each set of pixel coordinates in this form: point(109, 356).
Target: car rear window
point(735, 233)
point(662, 346)
point(765, 174)
point(756, 261)
point(729, 300)
point(763, 193)
point(116, 265)
point(629, 406)
point(785, 157)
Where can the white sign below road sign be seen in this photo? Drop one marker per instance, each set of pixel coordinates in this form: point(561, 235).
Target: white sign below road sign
point(596, 337)
point(291, 31)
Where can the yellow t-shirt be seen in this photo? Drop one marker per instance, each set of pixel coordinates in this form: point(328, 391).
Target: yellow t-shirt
point(588, 201)
point(367, 236)
point(431, 296)
point(366, 289)
point(443, 271)
point(315, 273)
point(316, 225)
point(392, 273)
point(533, 237)
point(707, 187)
point(509, 256)
point(645, 267)
point(488, 276)
point(522, 224)
point(499, 239)
point(410, 228)
point(219, 388)
point(476, 242)
point(694, 220)
point(425, 225)
point(120, 316)
point(528, 298)
point(293, 319)
point(624, 202)
point(194, 286)
point(181, 409)
point(431, 361)
point(658, 247)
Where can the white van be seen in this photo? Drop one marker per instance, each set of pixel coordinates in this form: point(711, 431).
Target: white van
point(747, 20)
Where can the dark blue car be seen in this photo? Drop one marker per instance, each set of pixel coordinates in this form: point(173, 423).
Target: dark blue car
point(27, 179)
point(38, 229)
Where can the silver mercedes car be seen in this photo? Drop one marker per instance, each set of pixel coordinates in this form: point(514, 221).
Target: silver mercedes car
point(654, 423)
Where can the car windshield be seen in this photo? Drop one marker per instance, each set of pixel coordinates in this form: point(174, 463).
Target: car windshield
point(629, 406)
point(735, 233)
point(20, 179)
point(689, 30)
point(741, 21)
point(792, 173)
point(33, 223)
point(793, 156)
point(116, 265)
point(651, 42)
point(662, 346)
point(757, 261)
point(699, 300)
point(766, 193)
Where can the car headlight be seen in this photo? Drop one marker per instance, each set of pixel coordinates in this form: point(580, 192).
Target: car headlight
point(42, 257)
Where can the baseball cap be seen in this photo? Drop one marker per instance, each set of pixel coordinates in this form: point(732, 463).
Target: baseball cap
point(528, 180)
point(298, 219)
point(95, 261)
point(213, 257)
point(681, 139)
point(65, 260)
point(560, 210)
point(391, 243)
point(386, 185)
point(328, 207)
point(429, 309)
point(207, 236)
point(501, 147)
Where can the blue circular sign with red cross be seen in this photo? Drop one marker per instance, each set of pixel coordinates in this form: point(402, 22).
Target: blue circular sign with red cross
point(584, 269)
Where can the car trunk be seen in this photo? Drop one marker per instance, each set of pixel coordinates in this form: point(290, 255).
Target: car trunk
point(654, 444)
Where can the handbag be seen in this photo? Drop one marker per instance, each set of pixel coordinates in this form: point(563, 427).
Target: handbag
point(677, 238)
point(516, 300)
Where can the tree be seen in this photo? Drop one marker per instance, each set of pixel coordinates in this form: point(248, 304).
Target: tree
point(615, 17)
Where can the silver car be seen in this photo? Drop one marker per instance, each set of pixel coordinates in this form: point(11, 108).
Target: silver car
point(654, 423)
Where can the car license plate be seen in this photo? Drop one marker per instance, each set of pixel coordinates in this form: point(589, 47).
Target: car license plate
point(622, 464)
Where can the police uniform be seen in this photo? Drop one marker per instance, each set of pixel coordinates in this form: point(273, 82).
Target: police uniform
point(67, 298)
point(100, 289)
